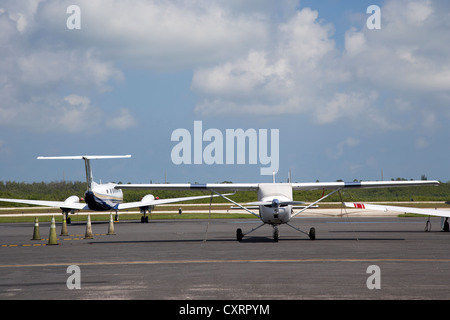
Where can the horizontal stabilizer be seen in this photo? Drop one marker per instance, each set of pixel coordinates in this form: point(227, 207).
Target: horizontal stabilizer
point(87, 157)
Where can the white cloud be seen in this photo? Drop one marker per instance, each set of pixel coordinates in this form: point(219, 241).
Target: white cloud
point(355, 42)
point(50, 113)
point(42, 60)
point(122, 121)
point(77, 115)
point(159, 34)
point(46, 68)
point(402, 55)
point(303, 72)
point(283, 78)
point(345, 105)
point(246, 58)
point(35, 78)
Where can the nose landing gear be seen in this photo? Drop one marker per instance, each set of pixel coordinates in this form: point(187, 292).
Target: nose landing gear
point(276, 233)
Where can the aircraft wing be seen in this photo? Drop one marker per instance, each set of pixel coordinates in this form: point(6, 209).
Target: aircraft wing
point(362, 184)
point(426, 212)
point(56, 204)
point(295, 186)
point(137, 204)
point(191, 186)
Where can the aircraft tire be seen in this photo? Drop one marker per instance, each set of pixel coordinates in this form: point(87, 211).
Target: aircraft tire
point(312, 234)
point(239, 235)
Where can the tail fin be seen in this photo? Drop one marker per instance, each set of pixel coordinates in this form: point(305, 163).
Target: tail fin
point(87, 163)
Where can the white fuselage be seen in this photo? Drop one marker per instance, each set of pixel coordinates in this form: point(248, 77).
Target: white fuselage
point(103, 197)
point(273, 214)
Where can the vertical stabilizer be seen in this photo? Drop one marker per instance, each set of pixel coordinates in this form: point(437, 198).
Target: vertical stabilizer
point(89, 177)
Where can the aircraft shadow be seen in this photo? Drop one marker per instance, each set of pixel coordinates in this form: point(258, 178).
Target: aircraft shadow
point(381, 231)
point(257, 239)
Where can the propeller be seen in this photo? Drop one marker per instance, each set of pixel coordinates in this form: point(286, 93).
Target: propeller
point(275, 203)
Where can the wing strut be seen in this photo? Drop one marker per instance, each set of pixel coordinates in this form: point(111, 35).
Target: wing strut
point(346, 214)
point(234, 202)
point(209, 218)
point(309, 206)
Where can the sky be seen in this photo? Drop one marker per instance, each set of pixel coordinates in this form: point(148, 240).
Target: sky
point(123, 77)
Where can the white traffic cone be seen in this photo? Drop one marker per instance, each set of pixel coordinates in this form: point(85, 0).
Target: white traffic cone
point(64, 227)
point(36, 233)
point(52, 236)
point(111, 226)
point(89, 234)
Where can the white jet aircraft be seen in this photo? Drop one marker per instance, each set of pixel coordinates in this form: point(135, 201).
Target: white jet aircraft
point(101, 197)
point(444, 214)
point(275, 200)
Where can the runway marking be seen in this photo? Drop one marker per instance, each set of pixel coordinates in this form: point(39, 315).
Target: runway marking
point(150, 262)
point(23, 245)
point(57, 239)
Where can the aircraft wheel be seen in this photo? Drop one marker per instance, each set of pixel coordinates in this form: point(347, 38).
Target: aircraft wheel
point(239, 235)
point(275, 234)
point(446, 226)
point(146, 219)
point(312, 234)
point(142, 219)
point(68, 220)
point(428, 226)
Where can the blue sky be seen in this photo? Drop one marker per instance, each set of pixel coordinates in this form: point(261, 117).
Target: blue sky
point(348, 102)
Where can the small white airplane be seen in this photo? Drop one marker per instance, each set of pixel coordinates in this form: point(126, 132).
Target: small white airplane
point(101, 197)
point(444, 214)
point(275, 200)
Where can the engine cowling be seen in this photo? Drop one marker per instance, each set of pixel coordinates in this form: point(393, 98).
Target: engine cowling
point(148, 197)
point(72, 199)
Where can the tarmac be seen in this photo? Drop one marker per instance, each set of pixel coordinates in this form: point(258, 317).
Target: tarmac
point(352, 258)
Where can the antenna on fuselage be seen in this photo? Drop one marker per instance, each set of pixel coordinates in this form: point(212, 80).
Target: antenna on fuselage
point(273, 176)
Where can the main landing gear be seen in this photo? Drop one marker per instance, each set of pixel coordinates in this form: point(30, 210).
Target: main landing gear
point(66, 213)
point(143, 210)
point(276, 233)
point(444, 225)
